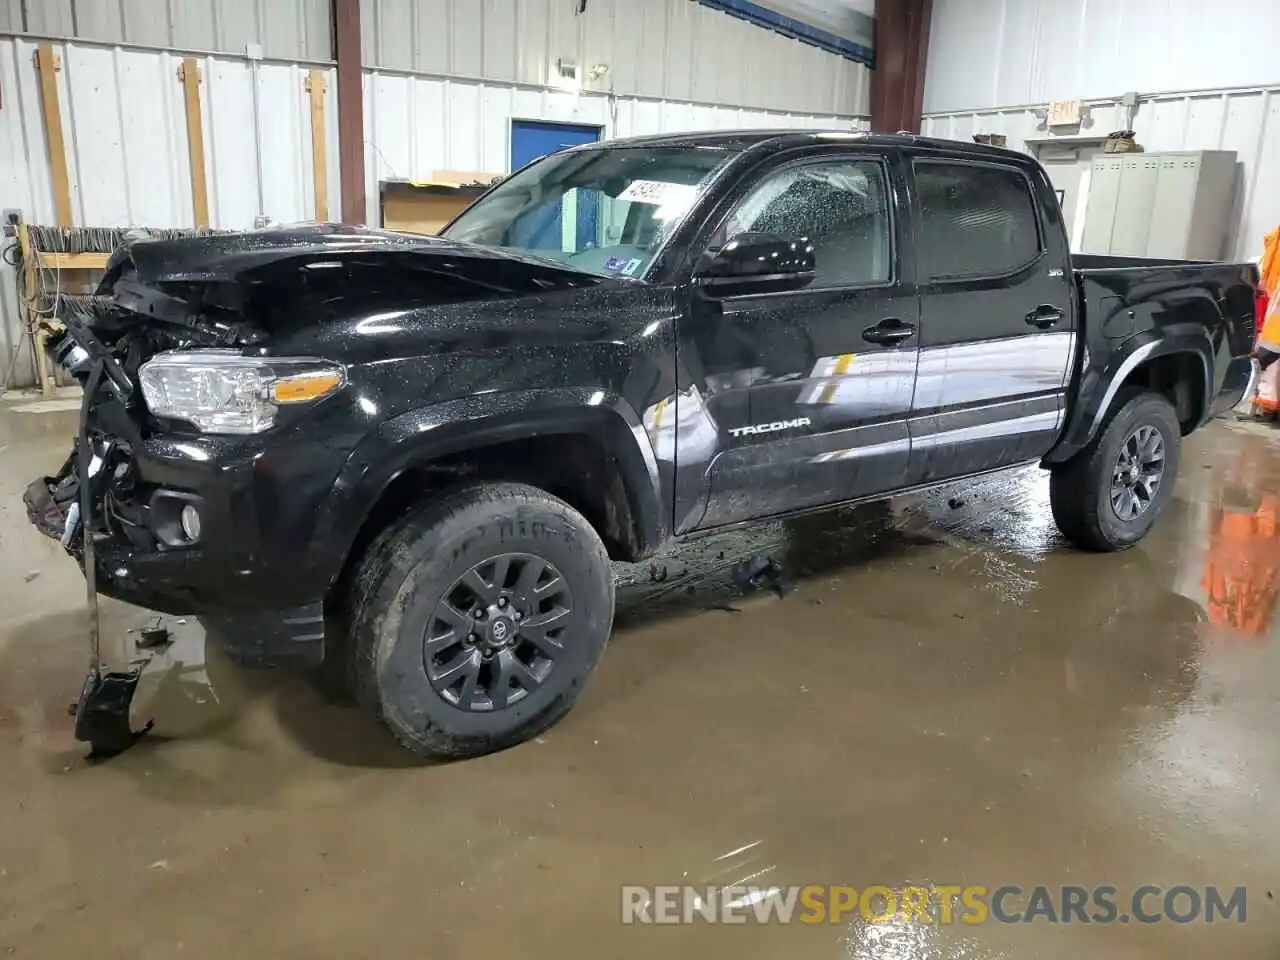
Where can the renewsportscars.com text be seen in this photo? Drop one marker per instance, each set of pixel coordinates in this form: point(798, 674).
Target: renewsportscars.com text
point(943, 904)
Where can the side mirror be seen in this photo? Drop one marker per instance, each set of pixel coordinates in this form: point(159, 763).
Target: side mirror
point(756, 263)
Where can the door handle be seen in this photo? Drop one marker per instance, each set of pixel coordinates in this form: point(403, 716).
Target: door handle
point(889, 332)
point(1044, 316)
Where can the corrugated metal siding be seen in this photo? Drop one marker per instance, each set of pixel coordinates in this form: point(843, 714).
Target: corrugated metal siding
point(1246, 122)
point(286, 29)
point(987, 54)
point(125, 128)
point(666, 49)
point(406, 116)
point(124, 124)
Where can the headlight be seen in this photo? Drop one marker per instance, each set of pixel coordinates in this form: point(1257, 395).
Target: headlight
point(221, 391)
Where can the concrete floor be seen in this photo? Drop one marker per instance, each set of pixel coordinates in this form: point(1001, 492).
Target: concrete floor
point(949, 695)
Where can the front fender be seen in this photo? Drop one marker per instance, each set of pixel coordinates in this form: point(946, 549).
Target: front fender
point(428, 433)
point(1104, 377)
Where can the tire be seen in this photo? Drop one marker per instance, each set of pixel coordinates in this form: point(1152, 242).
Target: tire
point(1080, 489)
point(416, 566)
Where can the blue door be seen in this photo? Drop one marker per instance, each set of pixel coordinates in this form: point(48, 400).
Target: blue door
point(531, 139)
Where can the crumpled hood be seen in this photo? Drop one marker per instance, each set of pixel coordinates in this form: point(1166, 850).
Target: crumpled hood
point(231, 256)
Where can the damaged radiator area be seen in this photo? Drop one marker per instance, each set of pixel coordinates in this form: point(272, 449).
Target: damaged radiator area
point(58, 271)
point(76, 332)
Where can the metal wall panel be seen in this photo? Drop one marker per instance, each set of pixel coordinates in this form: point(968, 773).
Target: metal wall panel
point(286, 29)
point(406, 119)
point(125, 127)
point(988, 54)
point(53, 17)
point(1245, 121)
point(672, 49)
point(124, 123)
point(499, 48)
point(142, 23)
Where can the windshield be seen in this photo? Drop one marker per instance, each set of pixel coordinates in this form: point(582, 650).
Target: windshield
point(604, 211)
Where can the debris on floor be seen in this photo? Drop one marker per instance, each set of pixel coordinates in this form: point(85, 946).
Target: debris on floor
point(761, 572)
point(155, 635)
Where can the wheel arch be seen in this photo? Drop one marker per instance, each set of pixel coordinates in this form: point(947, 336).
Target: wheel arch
point(1180, 368)
point(587, 447)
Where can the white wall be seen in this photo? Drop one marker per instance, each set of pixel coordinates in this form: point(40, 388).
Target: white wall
point(660, 49)
point(286, 29)
point(124, 124)
point(1247, 122)
point(1208, 76)
point(986, 54)
point(404, 117)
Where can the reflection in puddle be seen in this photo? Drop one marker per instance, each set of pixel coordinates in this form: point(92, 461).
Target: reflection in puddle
point(1242, 565)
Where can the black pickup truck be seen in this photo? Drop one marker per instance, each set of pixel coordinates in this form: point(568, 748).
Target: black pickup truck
point(417, 455)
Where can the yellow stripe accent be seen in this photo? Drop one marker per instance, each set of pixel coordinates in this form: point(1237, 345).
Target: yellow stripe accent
point(843, 363)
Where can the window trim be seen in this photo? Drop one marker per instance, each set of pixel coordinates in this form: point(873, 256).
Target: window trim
point(878, 160)
point(923, 277)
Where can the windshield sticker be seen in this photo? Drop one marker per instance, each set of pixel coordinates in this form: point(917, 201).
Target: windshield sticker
point(678, 195)
point(632, 265)
point(614, 263)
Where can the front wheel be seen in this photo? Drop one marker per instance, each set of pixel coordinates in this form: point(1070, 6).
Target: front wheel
point(476, 621)
point(1108, 496)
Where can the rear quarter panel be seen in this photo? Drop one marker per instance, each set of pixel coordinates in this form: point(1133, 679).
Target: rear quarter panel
point(1137, 310)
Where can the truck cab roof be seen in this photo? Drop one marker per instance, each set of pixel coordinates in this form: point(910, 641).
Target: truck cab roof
point(742, 140)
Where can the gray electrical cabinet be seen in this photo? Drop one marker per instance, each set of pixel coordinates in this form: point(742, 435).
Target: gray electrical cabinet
point(1169, 206)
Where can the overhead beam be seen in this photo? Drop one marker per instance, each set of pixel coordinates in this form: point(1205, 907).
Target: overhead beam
point(346, 44)
point(902, 47)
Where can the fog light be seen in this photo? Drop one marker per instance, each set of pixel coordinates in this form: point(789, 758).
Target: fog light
point(190, 520)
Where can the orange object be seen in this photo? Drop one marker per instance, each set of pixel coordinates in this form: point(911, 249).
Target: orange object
point(1267, 395)
point(1242, 569)
point(1269, 268)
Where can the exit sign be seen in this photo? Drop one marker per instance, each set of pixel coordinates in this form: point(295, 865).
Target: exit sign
point(1064, 113)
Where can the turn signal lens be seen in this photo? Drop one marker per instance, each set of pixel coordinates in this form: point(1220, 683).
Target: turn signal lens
point(305, 387)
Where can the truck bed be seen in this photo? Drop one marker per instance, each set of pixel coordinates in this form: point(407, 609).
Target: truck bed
point(1084, 262)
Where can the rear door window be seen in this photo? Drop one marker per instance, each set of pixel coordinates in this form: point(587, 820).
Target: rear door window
point(975, 221)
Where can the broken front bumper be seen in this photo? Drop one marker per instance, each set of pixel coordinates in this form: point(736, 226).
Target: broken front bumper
point(249, 577)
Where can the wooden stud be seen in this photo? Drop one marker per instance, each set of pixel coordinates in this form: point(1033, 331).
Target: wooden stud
point(48, 66)
point(73, 261)
point(319, 161)
point(189, 73)
point(28, 263)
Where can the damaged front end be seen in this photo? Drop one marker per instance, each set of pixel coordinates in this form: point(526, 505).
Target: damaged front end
point(190, 323)
point(210, 453)
point(89, 498)
point(104, 342)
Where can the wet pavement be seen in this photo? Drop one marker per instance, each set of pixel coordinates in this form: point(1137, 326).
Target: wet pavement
point(944, 693)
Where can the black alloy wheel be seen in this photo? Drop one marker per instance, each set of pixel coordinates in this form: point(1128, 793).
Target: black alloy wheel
point(494, 637)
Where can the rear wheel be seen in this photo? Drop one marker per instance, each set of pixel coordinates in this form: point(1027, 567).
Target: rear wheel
point(1109, 495)
point(477, 619)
